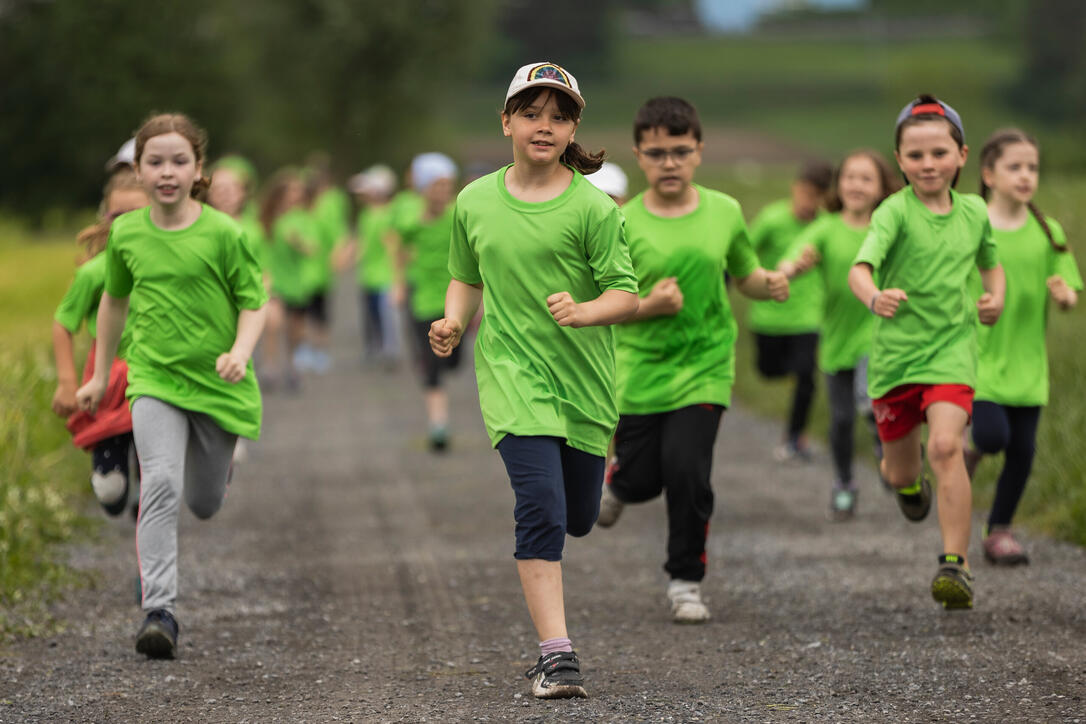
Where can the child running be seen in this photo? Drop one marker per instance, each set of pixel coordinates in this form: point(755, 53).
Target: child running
point(830, 243)
point(545, 251)
point(197, 312)
point(675, 357)
point(1012, 373)
point(373, 188)
point(425, 242)
point(923, 243)
point(786, 335)
point(108, 432)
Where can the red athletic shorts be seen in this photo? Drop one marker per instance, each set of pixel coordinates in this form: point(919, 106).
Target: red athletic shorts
point(904, 407)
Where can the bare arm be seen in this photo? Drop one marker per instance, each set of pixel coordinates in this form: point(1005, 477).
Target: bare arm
point(64, 398)
point(112, 313)
point(664, 300)
point(232, 365)
point(764, 284)
point(884, 303)
point(461, 302)
point(806, 261)
point(1061, 292)
point(611, 307)
point(990, 304)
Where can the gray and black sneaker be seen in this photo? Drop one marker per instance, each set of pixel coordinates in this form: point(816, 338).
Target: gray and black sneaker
point(916, 503)
point(953, 583)
point(557, 676)
point(157, 638)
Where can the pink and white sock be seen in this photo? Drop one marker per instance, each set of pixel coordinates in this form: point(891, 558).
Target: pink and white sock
point(550, 646)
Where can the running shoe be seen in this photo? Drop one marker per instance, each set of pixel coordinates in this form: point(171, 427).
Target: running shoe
point(557, 676)
point(916, 503)
point(439, 439)
point(953, 584)
point(791, 452)
point(686, 603)
point(157, 638)
point(1003, 549)
point(843, 502)
point(111, 490)
point(610, 506)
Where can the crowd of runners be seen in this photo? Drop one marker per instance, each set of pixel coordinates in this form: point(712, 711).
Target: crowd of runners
point(603, 333)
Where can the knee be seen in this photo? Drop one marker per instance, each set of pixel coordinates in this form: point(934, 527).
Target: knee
point(158, 488)
point(989, 442)
point(943, 448)
point(204, 508)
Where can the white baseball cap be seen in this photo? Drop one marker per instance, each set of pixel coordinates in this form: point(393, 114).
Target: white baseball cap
point(379, 179)
point(549, 75)
point(429, 167)
point(125, 156)
point(610, 179)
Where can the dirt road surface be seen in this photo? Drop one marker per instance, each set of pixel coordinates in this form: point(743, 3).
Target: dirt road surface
point(353, 576)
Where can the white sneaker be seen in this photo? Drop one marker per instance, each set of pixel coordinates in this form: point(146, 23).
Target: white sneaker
point(110, 487)
point(686, 603)
point(610, 508)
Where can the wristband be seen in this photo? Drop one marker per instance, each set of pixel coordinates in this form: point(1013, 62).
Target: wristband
point(874, 299)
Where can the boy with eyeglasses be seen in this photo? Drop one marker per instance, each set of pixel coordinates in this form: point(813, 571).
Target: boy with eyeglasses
point(675, 357)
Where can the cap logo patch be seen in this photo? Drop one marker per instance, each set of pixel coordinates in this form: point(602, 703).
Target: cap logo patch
point(549, 71)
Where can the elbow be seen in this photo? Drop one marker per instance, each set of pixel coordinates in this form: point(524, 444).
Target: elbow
point(630, 304)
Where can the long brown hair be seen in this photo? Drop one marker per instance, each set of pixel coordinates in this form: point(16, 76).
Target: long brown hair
point(161, 123)
point(93, 238)
point(574, 155)
point(272, 203)
point(888, 180)
point(992, 151)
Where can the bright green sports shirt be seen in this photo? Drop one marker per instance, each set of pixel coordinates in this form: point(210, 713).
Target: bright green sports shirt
point(80, 302)
point(932, 339)
point(669, 362)
point(187, 288)
point(295, 242)
point(374, 266)
point(845, 335)
point(329, 212)
point(773, 235)
point(427, 241)
point(536, 377)
point(1013, 366)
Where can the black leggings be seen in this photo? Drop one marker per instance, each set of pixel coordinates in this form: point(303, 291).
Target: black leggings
point(1012, 430)
point(781, 355)
point(845, 401)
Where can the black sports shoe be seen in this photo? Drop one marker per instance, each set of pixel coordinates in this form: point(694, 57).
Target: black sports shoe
point(157, 638)
point(557, 676)
point(915, 506)
point(953, 583)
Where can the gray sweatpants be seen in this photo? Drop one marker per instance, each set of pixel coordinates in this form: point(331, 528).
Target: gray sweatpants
point(179, 451)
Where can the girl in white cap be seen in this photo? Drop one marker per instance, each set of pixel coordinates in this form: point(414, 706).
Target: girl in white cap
point(545, 250)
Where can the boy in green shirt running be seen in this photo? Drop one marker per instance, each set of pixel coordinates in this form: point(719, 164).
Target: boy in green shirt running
point(373, 189)
point(923, 243)
point(786, 335)
point(675, 356)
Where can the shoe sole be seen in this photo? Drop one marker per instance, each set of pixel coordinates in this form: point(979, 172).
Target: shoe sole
point(563, 691)
point(155, 643)
point(1017, 560)
point(951, 593)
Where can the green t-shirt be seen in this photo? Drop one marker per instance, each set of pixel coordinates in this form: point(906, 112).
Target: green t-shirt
point(665, 363)
point(80, 302)
point(1013, 365)
point(187, 289)
point(254, 236)
point(374, 266)
point(329, 212)
point(773, 235)
point(536, 377)
point(427, 241)
point(295, 243)
point(845, 334)
point(405, 206)
point(932, 339)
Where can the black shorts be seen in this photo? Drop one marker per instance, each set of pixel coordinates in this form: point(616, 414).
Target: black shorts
point(430, 365)
point(786, 354)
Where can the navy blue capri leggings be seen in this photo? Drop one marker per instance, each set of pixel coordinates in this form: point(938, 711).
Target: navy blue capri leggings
point(557, 491)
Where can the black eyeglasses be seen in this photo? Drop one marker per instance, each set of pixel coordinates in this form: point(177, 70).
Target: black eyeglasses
point(660, 155)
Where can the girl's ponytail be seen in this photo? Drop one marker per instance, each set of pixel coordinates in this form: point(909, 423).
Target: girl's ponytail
point(582, 160)
point(200, 188)
point(1045, 227)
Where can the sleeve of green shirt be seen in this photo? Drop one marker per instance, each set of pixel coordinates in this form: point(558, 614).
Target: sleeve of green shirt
point(885, 226)
point(243, 273)
point(986, 254)
point(81, 297)
point(463, 263)
point(1062, 262)
point(608, 254)
point(118, 275)
point(741, 261)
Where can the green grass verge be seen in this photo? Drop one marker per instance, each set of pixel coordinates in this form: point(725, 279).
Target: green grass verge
point(43, 477)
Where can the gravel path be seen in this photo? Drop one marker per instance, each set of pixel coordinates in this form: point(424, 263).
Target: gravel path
point(353, 576)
